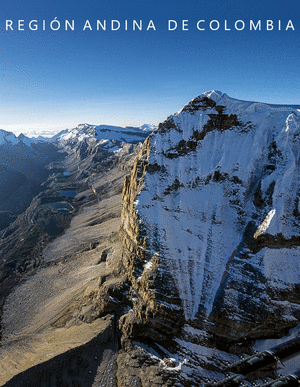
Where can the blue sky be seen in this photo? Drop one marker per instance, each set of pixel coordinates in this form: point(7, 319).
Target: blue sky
point(52, 80)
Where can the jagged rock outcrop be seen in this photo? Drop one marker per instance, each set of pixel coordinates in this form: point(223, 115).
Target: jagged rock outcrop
point(210, 225)
point(150, 316)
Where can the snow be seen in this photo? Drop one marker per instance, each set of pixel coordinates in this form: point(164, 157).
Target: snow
point(148, 127)
point(205, 351)
point(177, 368)
point(170, 306)
point(193, 331)
point(281, 266)
point(195, 356)
point(290, 365)
point(155, 356)
point(265, 224)
point(105, 133)
point(148, 265)
point(9, 138)
point(199, 222)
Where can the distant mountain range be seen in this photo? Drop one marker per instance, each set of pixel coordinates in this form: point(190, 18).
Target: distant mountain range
point(99, 132)
point(23, 159)
point(7, 138)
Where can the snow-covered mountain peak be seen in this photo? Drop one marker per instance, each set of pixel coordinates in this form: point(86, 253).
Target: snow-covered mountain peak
point(7, 138)
point(233, 105)
point(115, 134)
point(148, 127)
point(219, 205)
point(214, 94)
point(84, 126)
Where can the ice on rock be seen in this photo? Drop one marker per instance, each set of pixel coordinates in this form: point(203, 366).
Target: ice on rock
point(291, 124)
point(265, 224)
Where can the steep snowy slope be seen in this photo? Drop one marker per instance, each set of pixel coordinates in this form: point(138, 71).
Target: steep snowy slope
point(212, 213)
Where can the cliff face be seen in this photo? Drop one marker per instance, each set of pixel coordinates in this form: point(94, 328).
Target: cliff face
point(211, 222)
point(153, 292)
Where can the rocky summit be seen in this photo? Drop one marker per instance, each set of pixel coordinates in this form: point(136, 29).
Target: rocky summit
point(192, 267)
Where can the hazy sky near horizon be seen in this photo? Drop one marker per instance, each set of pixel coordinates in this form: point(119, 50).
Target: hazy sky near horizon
point(56, 79)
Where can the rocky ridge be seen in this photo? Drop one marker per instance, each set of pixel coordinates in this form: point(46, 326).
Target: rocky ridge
point(59, 269)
